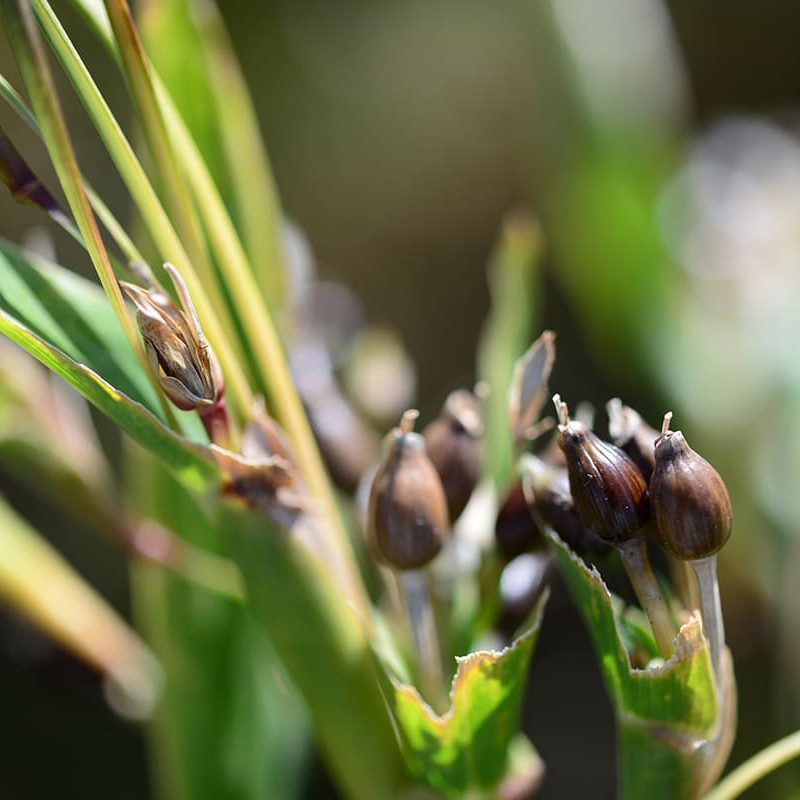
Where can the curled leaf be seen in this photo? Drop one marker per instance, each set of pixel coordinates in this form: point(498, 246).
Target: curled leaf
point(468, 747)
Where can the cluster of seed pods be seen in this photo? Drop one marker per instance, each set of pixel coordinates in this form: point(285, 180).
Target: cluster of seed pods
point(597, 496)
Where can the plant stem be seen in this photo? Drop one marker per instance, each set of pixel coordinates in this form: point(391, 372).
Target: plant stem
point(756, 767)
point(416, 600)
point(637, 564)
point(710, 606)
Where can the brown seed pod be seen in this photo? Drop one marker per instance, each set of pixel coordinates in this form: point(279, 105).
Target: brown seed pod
point(515, 529)
point(455, 447)
point(407, 516)
point(607, 488)
point(691, 505)
point(548, 491)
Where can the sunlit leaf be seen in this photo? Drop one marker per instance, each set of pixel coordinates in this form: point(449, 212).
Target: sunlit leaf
point(467, 748)
point(67, 324)
point(667, 717)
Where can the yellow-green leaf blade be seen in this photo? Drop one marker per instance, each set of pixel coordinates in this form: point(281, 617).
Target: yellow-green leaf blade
point(467, 748)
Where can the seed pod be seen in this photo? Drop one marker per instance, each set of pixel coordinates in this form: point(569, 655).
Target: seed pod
point(548, 491)
point(179, 355)
point(691, 505)
point(455, 447)
point(407, 516)
point(607, 488)
point(632, 435)
point(522, 582)
point(515, 529)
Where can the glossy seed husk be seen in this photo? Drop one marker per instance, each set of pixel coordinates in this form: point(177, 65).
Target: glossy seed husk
point(454, 442)
point(609, 491)
point(552, 500)
point(407, 517)
point(691, 505)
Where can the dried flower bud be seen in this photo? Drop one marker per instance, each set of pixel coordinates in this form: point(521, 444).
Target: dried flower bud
point(691, 505)
point(632, 435)
point(547, 490)
point(607, 488)
point(515, 529)
point(455, 447)
point(407, 517)
point(179, 354)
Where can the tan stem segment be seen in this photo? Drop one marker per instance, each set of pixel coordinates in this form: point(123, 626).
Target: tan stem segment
point(637, 564)
point(710, 606)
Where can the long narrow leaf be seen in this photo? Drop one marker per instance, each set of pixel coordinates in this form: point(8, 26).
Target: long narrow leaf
point(66, 323)
point(25, 40)
point(221, 335)
point(43, 587)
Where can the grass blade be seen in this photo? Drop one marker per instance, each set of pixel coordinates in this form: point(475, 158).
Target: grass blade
point(136, 69)
point(221, 335)
point(26, 43)
point(37, 581)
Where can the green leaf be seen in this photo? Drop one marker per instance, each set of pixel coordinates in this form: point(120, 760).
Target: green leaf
point(191, 50)
point(230, 727)
point(322, 642)
point(507, 332)
point(666, 716)
point(67, 323)
point(42, 586)
point(467, 748)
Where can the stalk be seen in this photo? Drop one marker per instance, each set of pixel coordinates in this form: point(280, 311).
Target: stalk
point(425, 639)
point(755, 768)
point(216, 323)
point(710, 606)
point(634, 557)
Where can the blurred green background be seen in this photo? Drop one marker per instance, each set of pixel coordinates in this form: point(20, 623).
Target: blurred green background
point(658, 144)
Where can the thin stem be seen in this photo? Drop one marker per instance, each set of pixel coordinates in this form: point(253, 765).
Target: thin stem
point(710, 606)
point(637, 564)
point(755, 768)
point(425, 638)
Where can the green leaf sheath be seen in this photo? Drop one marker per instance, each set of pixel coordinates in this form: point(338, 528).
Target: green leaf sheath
point(467, 748)
point(664, 715)
point(67, 323)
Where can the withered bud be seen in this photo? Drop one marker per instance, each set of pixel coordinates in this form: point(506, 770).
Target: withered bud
point(547, 490)
point(632, 435)
point(455, 447)
point(179, 355)
point(407, 516)
point(515, 529)
point(691, 505)
point(607, 488)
